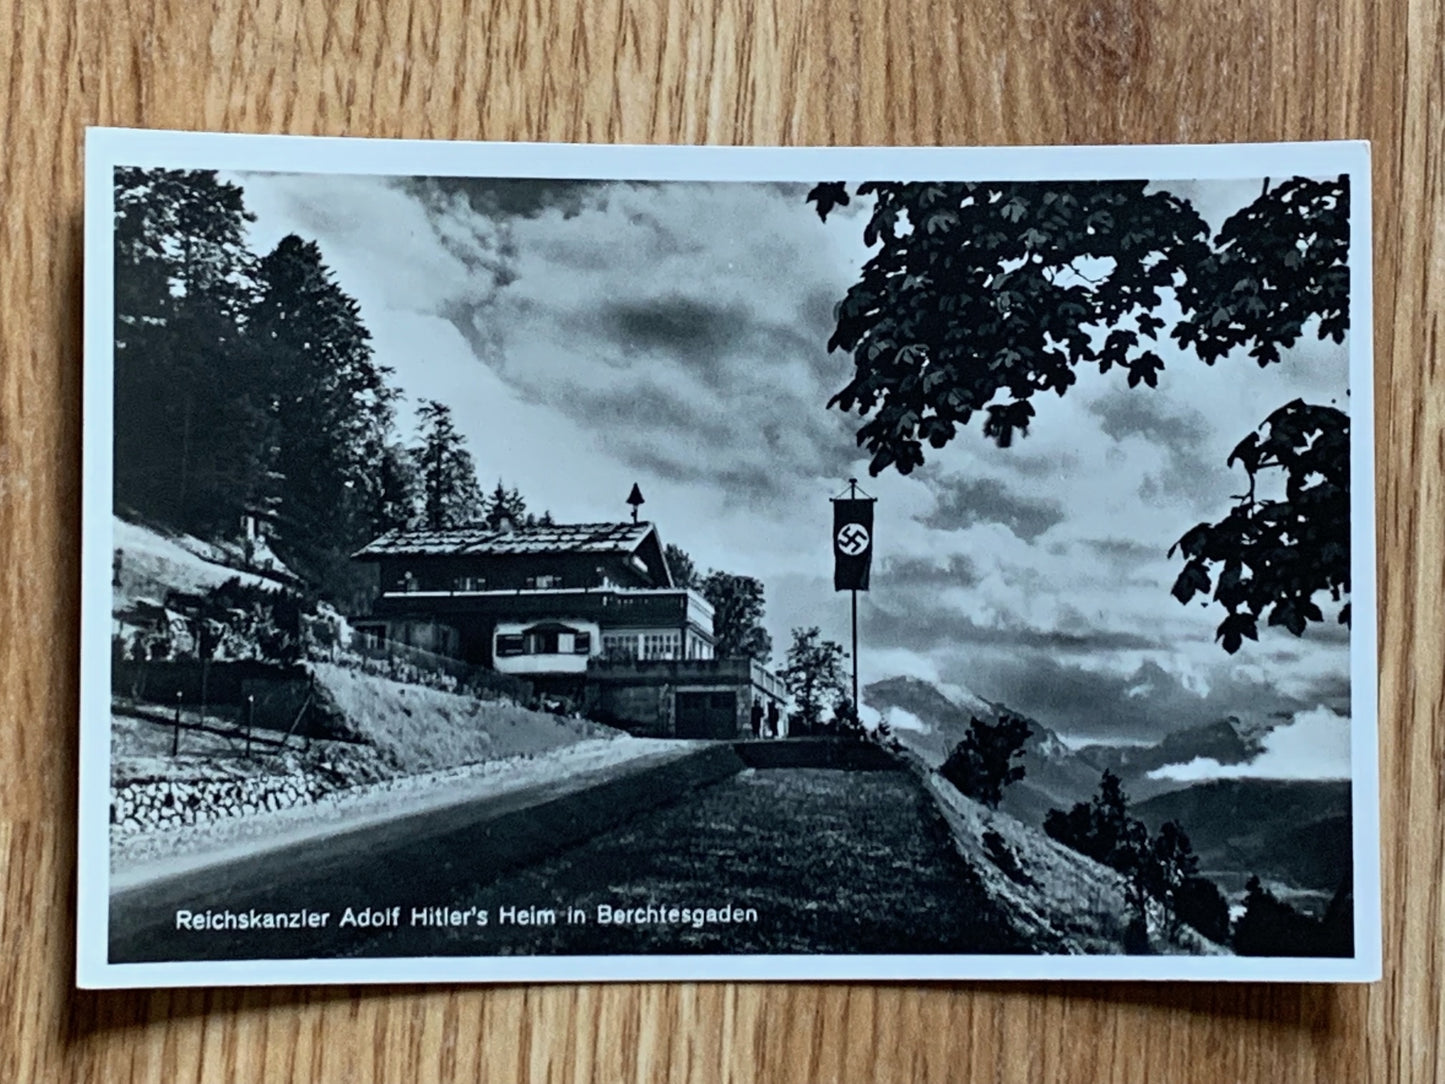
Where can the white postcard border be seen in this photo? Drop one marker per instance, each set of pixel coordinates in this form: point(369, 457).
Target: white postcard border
point(107, 148)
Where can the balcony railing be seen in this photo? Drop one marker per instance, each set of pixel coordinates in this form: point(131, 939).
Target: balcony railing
point(735, 669)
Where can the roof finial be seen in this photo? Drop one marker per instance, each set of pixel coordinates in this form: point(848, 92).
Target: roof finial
point(636, 500)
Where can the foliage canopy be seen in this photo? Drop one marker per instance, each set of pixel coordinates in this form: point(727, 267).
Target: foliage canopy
point(978, 296)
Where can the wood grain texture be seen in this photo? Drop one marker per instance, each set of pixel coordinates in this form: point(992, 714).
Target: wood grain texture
point(717, 71)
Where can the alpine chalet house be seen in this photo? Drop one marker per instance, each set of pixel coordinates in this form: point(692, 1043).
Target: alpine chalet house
point(586, 611)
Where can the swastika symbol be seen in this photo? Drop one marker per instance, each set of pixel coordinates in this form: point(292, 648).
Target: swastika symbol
point(852, 539)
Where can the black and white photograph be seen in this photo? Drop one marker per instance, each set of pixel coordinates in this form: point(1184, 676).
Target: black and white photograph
point(524, 563)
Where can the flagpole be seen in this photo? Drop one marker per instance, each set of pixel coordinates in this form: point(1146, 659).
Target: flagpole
point(855, 651)
point(852, 554)
point(857, 714)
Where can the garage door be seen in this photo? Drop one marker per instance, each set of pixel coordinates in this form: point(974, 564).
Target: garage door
point(707, 715)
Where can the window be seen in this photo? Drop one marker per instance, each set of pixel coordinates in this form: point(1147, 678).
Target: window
point(661, 645)
point(541, 583)
point(508, 644)
point(582, 643)
point(469, 583)
point(619, 647)
point(541, 643)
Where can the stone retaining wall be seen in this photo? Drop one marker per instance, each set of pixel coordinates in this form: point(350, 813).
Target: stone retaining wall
point(139, 807)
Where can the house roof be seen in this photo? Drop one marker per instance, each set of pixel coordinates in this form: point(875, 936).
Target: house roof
point(480, 539)
point(551, 626)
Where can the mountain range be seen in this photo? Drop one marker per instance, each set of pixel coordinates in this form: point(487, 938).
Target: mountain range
point(1295, 834)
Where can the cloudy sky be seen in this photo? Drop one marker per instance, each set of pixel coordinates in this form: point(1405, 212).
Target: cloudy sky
point(589, 336)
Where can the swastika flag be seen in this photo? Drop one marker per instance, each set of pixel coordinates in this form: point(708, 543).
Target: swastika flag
point(852, 544)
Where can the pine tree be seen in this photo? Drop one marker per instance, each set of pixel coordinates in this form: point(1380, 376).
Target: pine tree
point(1169, 865)
point(193, 429)
point(333, 412)
point(450, 495)
point(506, 505)
point(1101, 827)
point(398, 491)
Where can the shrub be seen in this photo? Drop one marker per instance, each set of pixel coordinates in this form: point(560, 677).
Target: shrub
point(981, 765)
point(1271, 927)
point(1199, 903)
point(1002, 856)
point(1099, 828)
point(235, 620)
point(1164, 868)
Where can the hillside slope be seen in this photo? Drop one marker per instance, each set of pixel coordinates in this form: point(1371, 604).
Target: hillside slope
point(1296, 834)
point(1060, 900)
point(414, 728)
point(150, 564)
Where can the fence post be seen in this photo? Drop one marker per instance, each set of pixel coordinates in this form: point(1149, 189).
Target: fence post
point(176, 733)
point(250, 718)
point(205, 691)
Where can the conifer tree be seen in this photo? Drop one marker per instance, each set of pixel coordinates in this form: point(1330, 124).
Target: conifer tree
point(506, 505)
point(193, 430)
point(333, 412)
point(450, 495)
point(398, 491)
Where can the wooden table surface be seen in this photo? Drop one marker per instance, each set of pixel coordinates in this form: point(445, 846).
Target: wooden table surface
point(711, 71)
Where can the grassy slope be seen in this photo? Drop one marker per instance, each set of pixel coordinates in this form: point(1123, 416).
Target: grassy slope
point(832, 861)
point(410, 728)
point(1056, 896)
point(418, 729)
point(151, 564)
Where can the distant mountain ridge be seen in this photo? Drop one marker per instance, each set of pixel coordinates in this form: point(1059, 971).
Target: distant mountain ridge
point(1054, 776)
point(1226, 741)
point(1296, 834)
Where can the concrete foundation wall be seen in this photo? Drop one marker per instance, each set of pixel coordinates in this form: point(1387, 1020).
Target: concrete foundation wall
point(645, 710)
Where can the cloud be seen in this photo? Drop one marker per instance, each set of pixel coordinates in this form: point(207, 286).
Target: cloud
point(946, 570)
point(1124, 551)
point(924, 630)
point(391, 250)
point(899, 719)
point(698, 334)
point(1314, 744)
point(696, 349)
point(590, 335)
point(1159, 695)
point(505, 197)
point(964, 501)
point(1150, 424)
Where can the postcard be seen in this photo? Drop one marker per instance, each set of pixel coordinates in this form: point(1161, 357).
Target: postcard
point(510, 562)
